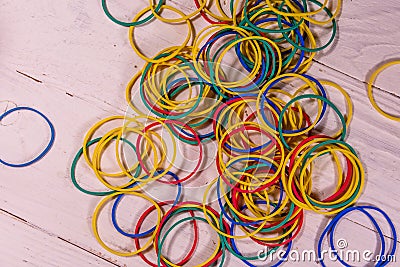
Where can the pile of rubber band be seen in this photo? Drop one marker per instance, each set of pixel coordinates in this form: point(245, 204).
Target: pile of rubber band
point(262, 187)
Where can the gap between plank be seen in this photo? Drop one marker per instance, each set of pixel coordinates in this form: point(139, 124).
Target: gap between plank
point(29, 77)
point(119, 108)
point(15, 217)
point(88, 251)
point(355, 78)
point(373, 230)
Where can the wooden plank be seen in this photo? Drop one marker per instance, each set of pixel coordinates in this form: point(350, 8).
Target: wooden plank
point(367, 36)
point(49, 180)
point(69, 61)
point(27, 192)
point(77, 33)
point(25, 245)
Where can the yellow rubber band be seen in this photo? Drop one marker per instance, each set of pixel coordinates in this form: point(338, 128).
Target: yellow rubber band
point(370, 87)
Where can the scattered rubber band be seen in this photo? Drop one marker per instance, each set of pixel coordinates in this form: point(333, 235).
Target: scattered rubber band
point(46, 149)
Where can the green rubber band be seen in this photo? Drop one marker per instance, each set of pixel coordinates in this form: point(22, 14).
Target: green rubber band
point(75, 162)
point(281, 30)
point(147, 68)
point(161, 241)
point(280, 130)
point(264, 43)
point(286, 60)
point(129, 24)
point(249, 258)
point(309, 154)
point(267, 230)
point(332, 38)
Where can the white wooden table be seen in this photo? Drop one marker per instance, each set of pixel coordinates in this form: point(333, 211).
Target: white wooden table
point(68, 60)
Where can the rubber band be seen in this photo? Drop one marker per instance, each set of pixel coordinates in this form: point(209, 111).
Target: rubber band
point(128, 172)
point(129, 24)
point(370, 87)
point(197, 139)
point(341, 185)
point(184, 18)
point(160, 112)
point(223, 19)
point(234, 190)
point(163, 96)
point(295, 224)
point(249, 15)
point(187, 206)
point(140, 222)
point(343, 131)
point(293, 52)
point(266, 148)
point(136, 235)
point(309, 34)
point(173, 54)
point(306, 14)
point(343, 200)
point(302, 67)
point(126, 187)
point(384, 258)
point(263, 64)
point(259, 38)
point(211, 217)
point(46, 149)
point(222, 167)
point(262, 98)
point(96, 215)
point(87, 138)
point(349, 105)
point(236, 252)
point(169, 114)
point(75, 162)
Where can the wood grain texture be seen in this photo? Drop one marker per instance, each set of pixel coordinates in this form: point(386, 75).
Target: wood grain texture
point(368, 31)
point(70, 62)
point(32, 246)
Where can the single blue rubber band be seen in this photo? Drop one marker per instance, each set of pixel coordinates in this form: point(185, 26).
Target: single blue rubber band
point(47, 148)
point(332, 226)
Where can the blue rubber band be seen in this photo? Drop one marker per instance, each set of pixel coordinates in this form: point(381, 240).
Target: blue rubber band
point(302, 53)
point(251, 150)
point(223, 33)
point(221, 205)
point(47, 148)
point(119, 198)
point(265, 98)
point(232, 232)
point(332, 226)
